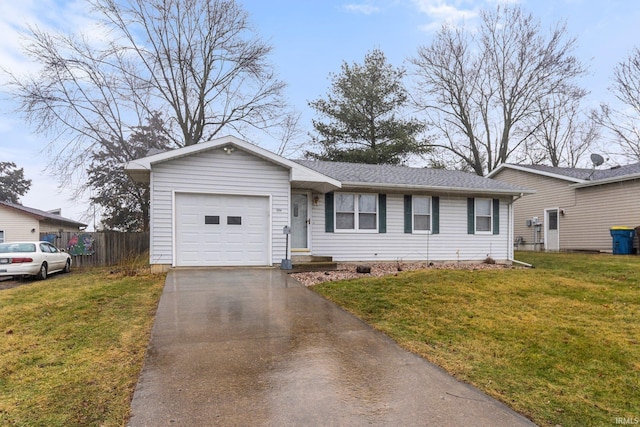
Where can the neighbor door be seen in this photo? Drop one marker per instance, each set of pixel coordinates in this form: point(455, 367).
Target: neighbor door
point(300, 221)
point(551, 230)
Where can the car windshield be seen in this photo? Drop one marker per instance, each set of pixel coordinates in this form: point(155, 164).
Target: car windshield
point(17, 247)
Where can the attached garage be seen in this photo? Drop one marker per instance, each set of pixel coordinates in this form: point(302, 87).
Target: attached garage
point(222, 230)
point(221, 203)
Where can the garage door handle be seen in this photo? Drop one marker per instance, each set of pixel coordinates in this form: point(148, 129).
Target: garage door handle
point(309, 221)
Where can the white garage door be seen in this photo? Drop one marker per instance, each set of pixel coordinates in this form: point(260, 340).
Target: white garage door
point(221, 230)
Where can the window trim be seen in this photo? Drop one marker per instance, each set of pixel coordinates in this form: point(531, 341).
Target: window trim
point(476, 215)
point(413, 215)
point(356, 213)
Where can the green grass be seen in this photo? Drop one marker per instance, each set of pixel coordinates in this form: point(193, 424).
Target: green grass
point(71, 347)
point(559, 343)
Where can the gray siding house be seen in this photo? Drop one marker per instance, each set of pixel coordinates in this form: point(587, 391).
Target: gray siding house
point(226, 203)
point(572, 208)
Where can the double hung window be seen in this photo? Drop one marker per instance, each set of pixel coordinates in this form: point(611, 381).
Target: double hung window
point(421, 213)
point(484, 215)
point(357, 212)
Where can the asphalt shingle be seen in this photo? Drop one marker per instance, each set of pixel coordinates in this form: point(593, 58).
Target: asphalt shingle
point(358, 173)
point(588, 174)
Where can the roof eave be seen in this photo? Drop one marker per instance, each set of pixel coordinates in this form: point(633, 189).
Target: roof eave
point(533, 171)
point(439, 189)
point(606, 181)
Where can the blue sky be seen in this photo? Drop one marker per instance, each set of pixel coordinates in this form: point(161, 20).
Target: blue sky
point(311, 38)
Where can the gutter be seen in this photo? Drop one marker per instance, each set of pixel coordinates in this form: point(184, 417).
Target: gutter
point(443, 189)
point(511, 233)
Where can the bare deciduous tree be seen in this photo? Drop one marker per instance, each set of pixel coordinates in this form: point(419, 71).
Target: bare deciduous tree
point(481, 89)
point(563, 133)
point(198, 62)
point(201, 59)
point(623, 121)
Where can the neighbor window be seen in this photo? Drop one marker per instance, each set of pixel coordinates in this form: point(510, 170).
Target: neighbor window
point(483, 215)
point(356, 211)
point(1, 236)
point(421, 213)
point(553, 220)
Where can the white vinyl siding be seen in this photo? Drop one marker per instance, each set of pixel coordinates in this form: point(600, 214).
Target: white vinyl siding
point(451, 244)
point(215, 172)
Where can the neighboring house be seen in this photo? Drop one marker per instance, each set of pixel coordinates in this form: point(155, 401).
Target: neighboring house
point(572, 208)
point(226, 202)
point(19, 222)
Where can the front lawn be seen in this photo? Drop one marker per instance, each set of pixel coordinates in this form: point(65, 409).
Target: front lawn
point(559, 343)
point(72, 347)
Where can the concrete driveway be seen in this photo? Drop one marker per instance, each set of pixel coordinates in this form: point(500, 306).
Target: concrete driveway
point(244, 347)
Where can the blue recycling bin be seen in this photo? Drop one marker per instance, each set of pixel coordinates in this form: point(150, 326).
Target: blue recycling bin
point(622, 240)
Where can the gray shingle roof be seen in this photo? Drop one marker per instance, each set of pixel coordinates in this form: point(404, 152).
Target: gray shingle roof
point(43, 215)
point(588, 174)
point(389, 175)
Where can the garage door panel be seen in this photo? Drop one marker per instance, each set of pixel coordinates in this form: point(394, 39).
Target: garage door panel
point(219, 243)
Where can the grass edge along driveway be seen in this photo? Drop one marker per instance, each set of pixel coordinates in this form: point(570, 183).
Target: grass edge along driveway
point(72, 347)
point(559, 343)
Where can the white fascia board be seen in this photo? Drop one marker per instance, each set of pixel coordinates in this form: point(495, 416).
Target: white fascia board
point(533, 171)
point(301, 173)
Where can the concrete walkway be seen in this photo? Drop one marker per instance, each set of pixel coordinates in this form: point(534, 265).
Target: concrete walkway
point(243, 347)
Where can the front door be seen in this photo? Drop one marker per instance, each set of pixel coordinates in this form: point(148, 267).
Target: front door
point(299, 221)
point(551, 230)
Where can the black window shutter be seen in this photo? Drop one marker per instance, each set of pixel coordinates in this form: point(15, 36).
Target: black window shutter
point(471, 216)
point(408, 220)
point(435, 213)
point(382, 213)
point(496, 216)
point(328, 212)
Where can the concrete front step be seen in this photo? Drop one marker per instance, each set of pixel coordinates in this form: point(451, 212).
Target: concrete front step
point(301, 263)
point(314, 266)
point(310, 258)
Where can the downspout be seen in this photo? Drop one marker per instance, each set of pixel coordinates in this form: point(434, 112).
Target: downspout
point(510, 234)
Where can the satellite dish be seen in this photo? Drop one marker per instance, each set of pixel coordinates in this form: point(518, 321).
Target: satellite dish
point(597, 160)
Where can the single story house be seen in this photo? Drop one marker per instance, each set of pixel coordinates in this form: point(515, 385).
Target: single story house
point(18, 222)
point(572, 208)
point(227, 202)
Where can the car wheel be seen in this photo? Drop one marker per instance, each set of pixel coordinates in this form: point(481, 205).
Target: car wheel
point(67, 266)
point(42, 274)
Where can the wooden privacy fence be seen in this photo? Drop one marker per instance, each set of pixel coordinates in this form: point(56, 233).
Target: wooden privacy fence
point(100, 248)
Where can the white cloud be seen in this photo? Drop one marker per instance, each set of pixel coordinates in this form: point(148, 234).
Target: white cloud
point(363, 8)
point(17, 16)
point(444, 12)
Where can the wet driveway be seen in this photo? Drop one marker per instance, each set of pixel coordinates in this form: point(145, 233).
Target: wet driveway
point(244, 347)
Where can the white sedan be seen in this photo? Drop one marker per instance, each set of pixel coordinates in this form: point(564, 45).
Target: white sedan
point(32, 259)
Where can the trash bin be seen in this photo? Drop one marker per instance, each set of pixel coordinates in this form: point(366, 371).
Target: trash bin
point(622, 240)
